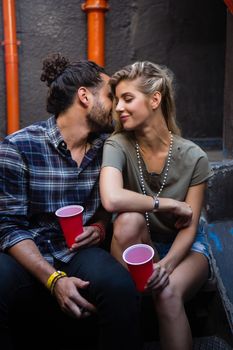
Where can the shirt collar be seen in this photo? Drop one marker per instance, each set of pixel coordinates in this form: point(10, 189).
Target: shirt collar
point(54, 132)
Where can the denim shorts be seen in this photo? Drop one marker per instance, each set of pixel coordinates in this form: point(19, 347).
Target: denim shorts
point(200, 245)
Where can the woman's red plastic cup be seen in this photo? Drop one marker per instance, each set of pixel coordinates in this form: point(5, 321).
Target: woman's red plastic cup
point(139, 259)
point(71, 221)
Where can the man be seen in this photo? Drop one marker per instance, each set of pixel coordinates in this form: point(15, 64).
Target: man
point(48, 165)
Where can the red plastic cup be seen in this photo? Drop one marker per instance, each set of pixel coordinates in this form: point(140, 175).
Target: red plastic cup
point(71, 221)
point(139, 259)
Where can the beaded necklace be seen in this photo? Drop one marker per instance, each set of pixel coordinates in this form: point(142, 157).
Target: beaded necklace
point(164, 177)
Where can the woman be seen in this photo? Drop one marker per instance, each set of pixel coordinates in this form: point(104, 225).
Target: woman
point(151, 177)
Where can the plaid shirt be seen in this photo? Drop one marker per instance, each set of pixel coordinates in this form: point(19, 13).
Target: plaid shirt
point(38, 176)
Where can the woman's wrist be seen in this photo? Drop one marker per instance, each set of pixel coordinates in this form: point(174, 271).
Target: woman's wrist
point(169, 265)
point(166, 204)
point(156, 204)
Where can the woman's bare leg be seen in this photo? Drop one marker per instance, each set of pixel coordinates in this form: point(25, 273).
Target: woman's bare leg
point(185, 281)
point(128, 229)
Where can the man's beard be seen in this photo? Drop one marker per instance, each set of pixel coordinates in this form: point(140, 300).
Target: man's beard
point(99, 119)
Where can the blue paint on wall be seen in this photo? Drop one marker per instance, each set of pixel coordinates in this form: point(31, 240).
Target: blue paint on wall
point(216, 240)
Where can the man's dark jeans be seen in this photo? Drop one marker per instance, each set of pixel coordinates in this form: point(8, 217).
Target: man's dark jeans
point(111, 290)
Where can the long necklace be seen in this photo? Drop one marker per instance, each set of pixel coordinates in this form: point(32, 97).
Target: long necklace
point(141, 178)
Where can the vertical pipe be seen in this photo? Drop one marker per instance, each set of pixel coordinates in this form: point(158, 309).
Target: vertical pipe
point(229, 4)
point(96, 29)
point(11, 65)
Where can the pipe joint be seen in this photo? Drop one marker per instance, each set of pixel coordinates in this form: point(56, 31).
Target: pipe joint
point(8, 42)
point(95, 5)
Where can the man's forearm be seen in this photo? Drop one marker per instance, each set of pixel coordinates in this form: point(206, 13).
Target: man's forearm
point(29, 256)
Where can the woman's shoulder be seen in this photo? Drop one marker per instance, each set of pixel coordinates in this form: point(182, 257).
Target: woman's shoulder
point(121, 139)
point(188, 147)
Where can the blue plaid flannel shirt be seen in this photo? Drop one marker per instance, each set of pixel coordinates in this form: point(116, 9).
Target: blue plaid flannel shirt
point(37, 176)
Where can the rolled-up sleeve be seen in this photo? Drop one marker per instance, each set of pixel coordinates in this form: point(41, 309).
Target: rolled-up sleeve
point(14, 181)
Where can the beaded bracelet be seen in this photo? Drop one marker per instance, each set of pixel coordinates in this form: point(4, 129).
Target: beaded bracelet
point(53, 278)
point(101, 228)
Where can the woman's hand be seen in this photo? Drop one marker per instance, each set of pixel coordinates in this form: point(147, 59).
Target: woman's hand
point(158, 280)
point(184, 213)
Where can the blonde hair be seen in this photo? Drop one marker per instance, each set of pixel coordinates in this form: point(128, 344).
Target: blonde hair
point(151, 77)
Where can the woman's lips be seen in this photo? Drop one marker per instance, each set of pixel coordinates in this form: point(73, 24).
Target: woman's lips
point(124, 117)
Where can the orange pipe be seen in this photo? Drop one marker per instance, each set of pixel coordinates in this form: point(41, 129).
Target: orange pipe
point(11, 62)
point(96, 29)
point(229, 4)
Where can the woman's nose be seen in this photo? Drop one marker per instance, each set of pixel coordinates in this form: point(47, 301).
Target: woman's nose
point(119, 107)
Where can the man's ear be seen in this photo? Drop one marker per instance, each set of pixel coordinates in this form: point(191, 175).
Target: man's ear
point(156, 100)
point(83, 94)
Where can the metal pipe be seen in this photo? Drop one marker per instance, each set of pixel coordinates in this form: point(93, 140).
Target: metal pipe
point(95, 10)
point(229, 4)
point(11, 64)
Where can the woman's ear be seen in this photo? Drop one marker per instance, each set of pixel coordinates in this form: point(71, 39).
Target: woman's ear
point(156, 100)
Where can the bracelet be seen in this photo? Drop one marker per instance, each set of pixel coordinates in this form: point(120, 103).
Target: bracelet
point(155, 203)
point(54, 283)
point(101, 228)
point(53, 278)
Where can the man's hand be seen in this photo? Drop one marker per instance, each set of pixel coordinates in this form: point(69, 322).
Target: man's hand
point(66, 291)
point(90, 236)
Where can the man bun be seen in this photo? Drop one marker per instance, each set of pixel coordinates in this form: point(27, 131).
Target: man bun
point(53, 66)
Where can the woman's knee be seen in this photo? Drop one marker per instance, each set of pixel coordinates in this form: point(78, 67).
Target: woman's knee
point(129, 227)
point(168, 302)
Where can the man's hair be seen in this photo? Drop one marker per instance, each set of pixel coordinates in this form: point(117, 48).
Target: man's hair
point(64, 78)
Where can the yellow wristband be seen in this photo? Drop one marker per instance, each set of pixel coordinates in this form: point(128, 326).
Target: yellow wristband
point(55, 275)
point(55, 282)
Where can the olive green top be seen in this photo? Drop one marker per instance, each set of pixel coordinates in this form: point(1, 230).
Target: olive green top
point(189, 167)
